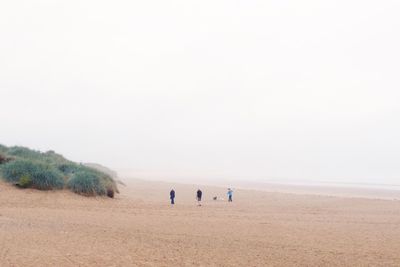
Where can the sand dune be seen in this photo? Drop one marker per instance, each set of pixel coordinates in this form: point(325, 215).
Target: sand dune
point(140, 228)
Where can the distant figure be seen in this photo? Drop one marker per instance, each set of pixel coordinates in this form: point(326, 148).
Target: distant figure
point(198, 196)
point(230, 194)
point(172, 196)
point(215, 198)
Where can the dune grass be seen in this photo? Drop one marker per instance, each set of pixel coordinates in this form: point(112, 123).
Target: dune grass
point(29, 173)
point(28, 168)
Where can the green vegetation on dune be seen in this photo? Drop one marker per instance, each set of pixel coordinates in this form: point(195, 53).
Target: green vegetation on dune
point(101, 168)
point(31, 173)
point(28, 168)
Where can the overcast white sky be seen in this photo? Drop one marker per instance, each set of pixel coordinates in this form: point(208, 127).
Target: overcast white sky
point(242, 89)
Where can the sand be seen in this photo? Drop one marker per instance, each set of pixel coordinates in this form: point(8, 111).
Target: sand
point(140, 228)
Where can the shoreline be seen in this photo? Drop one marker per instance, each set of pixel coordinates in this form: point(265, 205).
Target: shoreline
point(321, 189)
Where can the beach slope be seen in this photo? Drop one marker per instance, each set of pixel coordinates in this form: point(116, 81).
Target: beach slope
point(140, 228)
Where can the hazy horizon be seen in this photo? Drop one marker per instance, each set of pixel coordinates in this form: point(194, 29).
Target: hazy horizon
point(239, 89)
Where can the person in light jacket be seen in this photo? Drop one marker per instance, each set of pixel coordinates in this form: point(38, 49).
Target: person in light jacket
point(230, 194)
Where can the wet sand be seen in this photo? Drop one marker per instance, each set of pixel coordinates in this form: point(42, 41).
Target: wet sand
point(140, 228)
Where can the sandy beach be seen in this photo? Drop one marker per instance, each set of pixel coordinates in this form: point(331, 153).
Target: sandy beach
point(140, 228)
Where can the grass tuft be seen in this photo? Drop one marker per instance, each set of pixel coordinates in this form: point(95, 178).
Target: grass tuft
point(42, 176)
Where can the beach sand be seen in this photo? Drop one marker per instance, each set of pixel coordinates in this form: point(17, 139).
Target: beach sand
point(140, 228)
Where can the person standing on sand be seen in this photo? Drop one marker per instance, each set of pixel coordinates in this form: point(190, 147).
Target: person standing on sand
point(172, 196)
point(230, 194)
point(198, 196)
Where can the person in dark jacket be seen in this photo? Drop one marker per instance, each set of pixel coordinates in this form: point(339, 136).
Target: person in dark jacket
point(198, 196)
point(172, 196)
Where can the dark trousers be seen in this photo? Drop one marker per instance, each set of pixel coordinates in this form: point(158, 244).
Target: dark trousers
point(230, 198)
point(172, 200)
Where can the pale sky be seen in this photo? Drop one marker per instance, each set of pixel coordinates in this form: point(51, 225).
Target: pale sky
point(241, 89)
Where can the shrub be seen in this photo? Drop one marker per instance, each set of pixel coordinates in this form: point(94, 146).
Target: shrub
point(42, 176)
point(25, 181)
point(109, 183)
point(86, 183)
point(47, 177)
point(12, 171)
